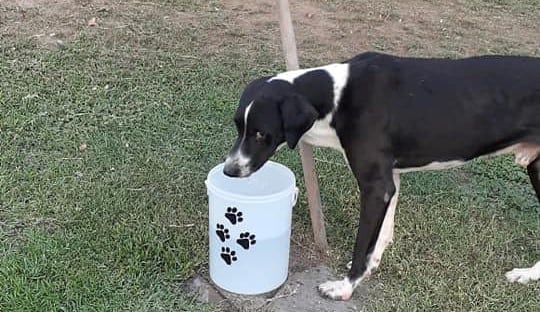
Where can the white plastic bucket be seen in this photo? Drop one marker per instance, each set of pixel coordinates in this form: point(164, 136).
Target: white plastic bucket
point(250, 227)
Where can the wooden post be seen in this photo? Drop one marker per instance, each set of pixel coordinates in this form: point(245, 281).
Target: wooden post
point(306, 151)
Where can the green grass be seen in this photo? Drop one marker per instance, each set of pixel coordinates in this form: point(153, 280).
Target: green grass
point(110, 228)
point(121, 225)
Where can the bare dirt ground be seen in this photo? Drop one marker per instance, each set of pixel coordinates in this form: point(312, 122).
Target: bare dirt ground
point(332, 30)
point(325, 30)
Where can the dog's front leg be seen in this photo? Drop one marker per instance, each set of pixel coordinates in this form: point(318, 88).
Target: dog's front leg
point(377, 188)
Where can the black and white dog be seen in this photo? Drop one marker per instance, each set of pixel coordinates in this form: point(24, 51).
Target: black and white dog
point(389, 115)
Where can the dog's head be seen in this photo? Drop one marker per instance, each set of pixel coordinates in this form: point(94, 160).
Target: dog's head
point(270, 114)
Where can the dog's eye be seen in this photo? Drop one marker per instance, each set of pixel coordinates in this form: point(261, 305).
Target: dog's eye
point(259, 136)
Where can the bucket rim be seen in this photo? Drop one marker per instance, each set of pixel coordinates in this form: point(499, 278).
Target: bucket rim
point(292, 189)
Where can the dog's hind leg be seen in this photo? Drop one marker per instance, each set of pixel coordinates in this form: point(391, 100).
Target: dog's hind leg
point(525, 275)
point(533, 169)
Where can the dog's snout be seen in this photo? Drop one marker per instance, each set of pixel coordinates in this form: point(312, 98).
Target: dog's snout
point(231, 171)
point(237, 165)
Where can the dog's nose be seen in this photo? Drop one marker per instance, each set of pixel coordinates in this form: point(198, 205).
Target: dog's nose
point(231, 171)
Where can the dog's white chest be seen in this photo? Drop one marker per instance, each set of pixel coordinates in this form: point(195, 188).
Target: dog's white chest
point(322, 134)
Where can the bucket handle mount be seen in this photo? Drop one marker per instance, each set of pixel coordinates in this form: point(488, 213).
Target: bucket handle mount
point(295, 196)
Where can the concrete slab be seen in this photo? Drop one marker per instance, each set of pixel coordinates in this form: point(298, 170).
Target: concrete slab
point(298, 294)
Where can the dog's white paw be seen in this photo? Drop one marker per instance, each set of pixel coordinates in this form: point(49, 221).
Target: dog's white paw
point(337, 290)
point(523, 275)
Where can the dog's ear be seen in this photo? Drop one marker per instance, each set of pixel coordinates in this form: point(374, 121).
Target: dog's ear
point(298, 115)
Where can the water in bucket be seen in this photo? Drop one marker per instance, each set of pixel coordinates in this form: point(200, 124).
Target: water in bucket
point(250, 227)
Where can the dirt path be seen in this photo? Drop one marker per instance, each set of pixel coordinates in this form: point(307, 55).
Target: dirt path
point(325, 30)
point(425, 28)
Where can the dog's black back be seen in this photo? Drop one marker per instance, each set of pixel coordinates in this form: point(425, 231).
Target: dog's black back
point(442, 109)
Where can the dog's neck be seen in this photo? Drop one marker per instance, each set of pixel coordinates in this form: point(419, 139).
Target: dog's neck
point(321, 86)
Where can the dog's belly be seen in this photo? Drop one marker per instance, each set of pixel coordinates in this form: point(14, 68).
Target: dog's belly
point(435, 165)
point(524, 153)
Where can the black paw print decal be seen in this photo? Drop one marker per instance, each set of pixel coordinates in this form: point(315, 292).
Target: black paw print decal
point(246, 240)
point(234, 215)
point(222, 232)
point(228, 255)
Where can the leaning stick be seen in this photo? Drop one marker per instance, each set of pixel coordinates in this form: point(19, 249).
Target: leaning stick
point(306, 151)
